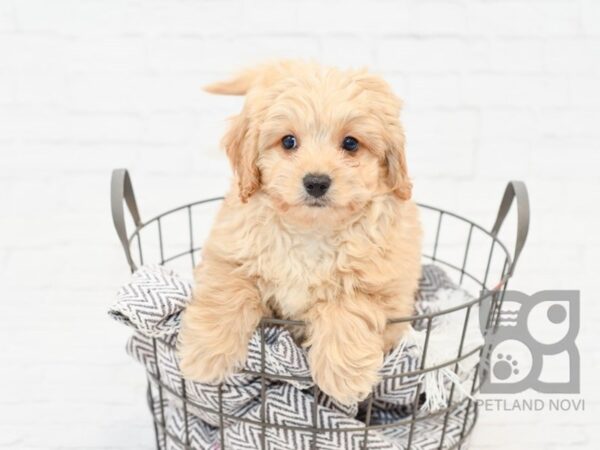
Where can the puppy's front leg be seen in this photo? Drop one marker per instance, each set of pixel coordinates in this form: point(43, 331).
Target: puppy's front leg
point(217, 325)
point(346, 347)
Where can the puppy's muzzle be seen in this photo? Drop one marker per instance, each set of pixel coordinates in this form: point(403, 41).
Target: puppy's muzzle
point(316, 184)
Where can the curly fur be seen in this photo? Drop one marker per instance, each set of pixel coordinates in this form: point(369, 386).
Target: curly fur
point(345, 268)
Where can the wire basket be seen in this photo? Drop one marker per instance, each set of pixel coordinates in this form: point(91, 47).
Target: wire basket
point(475, 258)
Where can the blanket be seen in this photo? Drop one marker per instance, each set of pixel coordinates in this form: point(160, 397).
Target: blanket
point(230, 415)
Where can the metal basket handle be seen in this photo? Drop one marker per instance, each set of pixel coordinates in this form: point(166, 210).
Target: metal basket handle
point(122, 190)
point(514, 190)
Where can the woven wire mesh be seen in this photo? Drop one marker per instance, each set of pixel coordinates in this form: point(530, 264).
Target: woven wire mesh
point(473, 256)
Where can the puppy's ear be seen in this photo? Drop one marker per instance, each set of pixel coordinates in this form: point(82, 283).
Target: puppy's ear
point(241, 146)
point(388, 110)
point(241, 140)
point(395, 159)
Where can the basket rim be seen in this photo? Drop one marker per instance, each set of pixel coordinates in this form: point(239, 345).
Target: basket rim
point(485, 292)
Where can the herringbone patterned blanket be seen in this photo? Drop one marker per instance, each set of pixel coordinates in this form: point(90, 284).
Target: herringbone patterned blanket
point(152, 304)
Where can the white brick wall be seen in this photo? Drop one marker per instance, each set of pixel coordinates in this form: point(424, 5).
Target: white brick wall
point(493, 90)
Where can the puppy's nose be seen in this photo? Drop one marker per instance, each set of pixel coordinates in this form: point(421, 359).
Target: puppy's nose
point(316, 184)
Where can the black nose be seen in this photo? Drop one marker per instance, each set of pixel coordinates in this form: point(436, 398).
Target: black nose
point(316, 184)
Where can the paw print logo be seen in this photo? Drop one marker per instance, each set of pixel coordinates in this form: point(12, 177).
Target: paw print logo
point(509, 363)
point(505, 367)
point(525, 335)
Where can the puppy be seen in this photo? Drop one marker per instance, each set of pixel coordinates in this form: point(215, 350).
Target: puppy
point(318, 227)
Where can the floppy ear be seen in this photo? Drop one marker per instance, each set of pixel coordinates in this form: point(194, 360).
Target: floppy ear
point(241, 146)
point(395, 159)
point(388, 110)
point(241, 139)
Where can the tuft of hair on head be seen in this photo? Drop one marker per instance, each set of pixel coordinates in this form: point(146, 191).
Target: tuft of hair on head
point(238, 85)
point(263, 75)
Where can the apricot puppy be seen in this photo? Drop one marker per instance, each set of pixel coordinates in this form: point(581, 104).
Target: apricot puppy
point(318, 226)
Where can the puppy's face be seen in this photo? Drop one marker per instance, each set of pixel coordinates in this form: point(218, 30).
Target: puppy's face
point(320, 143)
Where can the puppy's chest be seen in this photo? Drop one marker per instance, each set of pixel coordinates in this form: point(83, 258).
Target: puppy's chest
point(295, 271)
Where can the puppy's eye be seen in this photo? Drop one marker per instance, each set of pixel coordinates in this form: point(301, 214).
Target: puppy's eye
point(289, 142)
point(350, 144)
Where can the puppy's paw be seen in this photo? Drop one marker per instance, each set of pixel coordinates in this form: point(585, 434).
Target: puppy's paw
point(210, 367)
point(345, 380)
